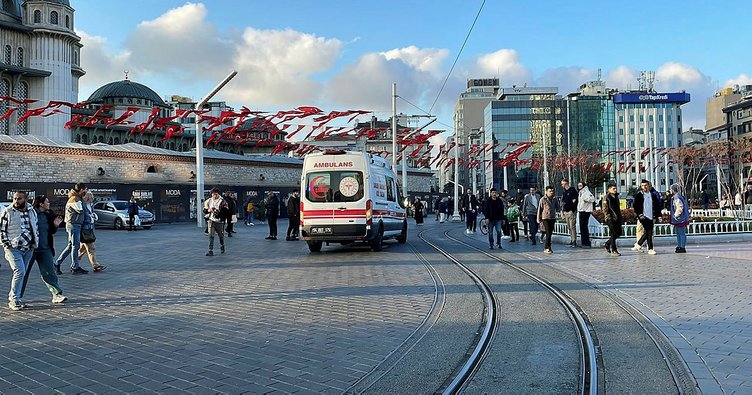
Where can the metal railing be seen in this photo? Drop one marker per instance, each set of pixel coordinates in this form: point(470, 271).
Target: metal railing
point(667, 230)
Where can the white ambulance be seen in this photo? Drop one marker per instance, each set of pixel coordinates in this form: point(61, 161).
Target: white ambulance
point(347, 197)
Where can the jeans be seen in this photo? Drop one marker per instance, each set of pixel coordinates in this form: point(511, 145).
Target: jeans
point(249, 218)
point(45, 260)
point(614, 230)
point(293, 226)
point(470, 220)
point(584, 229)
point(532, 220)
point(218, 228)
point(74, 244)
point(681, 236)
point(491, 226)
point(18, 261)
point(514, 231)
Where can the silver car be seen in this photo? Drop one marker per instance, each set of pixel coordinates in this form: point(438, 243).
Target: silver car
point(114, 213)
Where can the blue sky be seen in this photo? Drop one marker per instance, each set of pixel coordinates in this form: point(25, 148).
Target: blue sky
point(345, 54)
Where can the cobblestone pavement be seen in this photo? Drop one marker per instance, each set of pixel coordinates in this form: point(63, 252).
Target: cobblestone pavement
point(700, 300)
point(266, 317)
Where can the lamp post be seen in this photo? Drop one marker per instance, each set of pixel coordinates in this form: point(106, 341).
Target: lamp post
point(200, 150)
point(456, 216)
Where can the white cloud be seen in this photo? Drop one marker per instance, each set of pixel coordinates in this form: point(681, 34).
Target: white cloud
point(181, 42)
point(101, 66)
point(277, 66)
point(622, 77)
point(741, 79)
point(567, 79)
point(505, 65)
point(428, 59)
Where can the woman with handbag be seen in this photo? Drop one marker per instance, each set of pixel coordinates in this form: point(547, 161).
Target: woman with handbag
point(88, 237)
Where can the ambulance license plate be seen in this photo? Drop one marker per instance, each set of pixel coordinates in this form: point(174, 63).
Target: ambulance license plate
point(321, 230)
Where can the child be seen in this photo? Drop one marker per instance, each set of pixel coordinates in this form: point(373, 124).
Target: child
point(513, 215)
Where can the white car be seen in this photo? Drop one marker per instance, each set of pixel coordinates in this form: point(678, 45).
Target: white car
point(114, 213)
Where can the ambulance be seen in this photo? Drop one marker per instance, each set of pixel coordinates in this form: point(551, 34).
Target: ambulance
point(348, 197)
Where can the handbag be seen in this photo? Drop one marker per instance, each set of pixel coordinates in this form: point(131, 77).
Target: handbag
point(234, 219)
point(137, 221)
point(88, 236)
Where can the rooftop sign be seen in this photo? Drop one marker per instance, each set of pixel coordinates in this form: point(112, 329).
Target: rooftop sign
point(645, 97)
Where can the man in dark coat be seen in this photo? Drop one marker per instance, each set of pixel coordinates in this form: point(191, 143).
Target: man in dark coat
point(494, 213)
point(612, 213)
point(271, 205)
point(232, 207)
point(647, 206)
point(293, 214)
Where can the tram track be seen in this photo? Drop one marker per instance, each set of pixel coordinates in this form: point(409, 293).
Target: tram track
point(591, 371)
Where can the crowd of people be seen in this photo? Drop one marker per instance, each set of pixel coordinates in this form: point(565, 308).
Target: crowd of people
point(27, 232)
point(539, 212)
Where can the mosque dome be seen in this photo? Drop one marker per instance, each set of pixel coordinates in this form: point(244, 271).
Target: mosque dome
point(126, 89)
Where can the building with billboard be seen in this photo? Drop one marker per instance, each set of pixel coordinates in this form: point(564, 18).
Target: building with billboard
point(647, 122)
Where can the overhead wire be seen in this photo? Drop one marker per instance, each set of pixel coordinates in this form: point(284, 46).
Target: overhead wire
point(449, 74)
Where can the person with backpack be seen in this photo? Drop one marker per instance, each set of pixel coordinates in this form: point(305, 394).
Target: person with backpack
point(513, 216)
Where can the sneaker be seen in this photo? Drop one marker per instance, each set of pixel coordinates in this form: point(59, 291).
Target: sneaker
point(252, 224)
point(608, 248)
point(57, 269)
point(651, 252)
point(15, 306)
point(615, 253)
point(637, 248)
point(505, 237)
point(79, 270)
point(490, 247)
point(269, 238)
point(681, 250)
point(229, 234)
point(59, 298)
point(572, 245)
point(548, 251)
point(498, 245)
point(210, 253)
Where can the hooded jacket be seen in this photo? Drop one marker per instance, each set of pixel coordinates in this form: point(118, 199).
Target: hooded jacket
point(585, 200)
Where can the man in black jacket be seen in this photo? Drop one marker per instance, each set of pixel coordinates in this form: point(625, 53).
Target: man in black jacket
point(232, 208)
point(569, 210)
point(271, 204)
point(612, 214)
point(469, 206)
point(494, 213)
point(647, 206)
point(293, 214)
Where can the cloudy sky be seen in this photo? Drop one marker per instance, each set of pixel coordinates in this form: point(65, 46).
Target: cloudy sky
point(340, 55)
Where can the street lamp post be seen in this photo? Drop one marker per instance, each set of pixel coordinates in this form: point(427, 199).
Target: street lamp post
point(456, 216)
point(200, 150)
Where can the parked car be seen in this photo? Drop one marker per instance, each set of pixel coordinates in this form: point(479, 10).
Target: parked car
point(114, 213)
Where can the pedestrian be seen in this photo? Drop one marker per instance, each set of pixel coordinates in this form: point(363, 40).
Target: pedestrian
point(232, 207)
point(469, 206)
point(271, 205)
point(493, 212)
point(44, 254)
point(724, 203)
point(679, 217)
point(19, 235)
point(737, 201)
point(249, 212)
point(530, 212)
point(450, 208)
point(647, 206)
point(88, 238)
point(612, 213)
point(520, 201)
point(503, 195)
point(569, 209)
point(133, 214)
point(437, 207)
point(443, 209)
point(74, 218)
point(216, 212)
point(293, 214)
point(585, 200)
point(418, 214)
point(546, 216)
point(705, 200)
point(513, 217)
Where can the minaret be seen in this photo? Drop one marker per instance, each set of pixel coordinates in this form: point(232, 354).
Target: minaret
point(54, 48)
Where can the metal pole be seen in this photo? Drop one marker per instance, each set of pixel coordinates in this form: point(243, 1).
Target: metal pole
point(394, 126)
point(569, 149)
point(545, 161)
point(200, 151)
point(456, 215)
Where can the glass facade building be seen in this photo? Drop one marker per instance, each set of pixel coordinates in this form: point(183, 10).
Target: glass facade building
point(522, 115)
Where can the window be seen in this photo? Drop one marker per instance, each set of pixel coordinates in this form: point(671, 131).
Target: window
point(23, 94)
point(642, 130)
point(390, 190)
point(20, 56)
point(75, 58)
point(8, 54)
point(335, 186)
point(631, 118)
point(53, 17)
point(621, 118)
point(4, 91)
point(650, 118)
point(7, 6)
point(67, 21)
point(642, 118)
point(37, 16)
point(660, 117)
